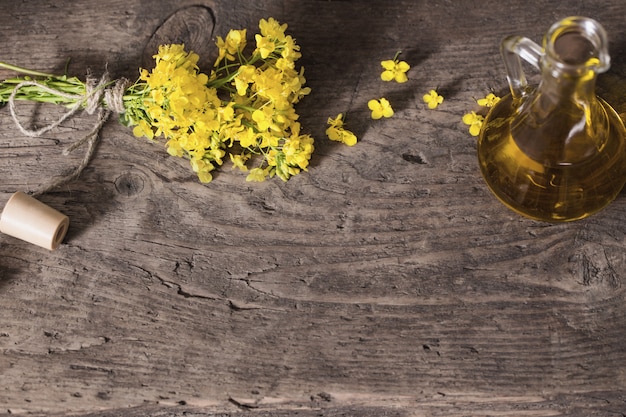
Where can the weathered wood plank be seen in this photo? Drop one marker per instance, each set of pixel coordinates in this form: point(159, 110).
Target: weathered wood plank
point(386, 281)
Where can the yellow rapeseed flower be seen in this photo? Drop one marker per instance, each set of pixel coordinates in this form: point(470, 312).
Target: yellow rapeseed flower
point(272, 28)
point(433, 99)
point(143, 128)
point(298, 150)
point(258, 174)
point(243, 106)
point(394, 70)
point(489, 101)
point(233, 45)
point(474, 121)
point(247, 103)
point(176, 55)
point(264, 45)
point(380, 108)
point(247, 138)
point(264, 119)
point(245, 76)
point(291, 50)
point(337, 132)
point(239, 161)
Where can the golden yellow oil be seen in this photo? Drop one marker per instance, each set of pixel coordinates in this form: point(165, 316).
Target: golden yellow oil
point(543, 169)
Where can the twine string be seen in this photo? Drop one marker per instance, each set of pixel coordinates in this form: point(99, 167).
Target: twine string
point(100, 97)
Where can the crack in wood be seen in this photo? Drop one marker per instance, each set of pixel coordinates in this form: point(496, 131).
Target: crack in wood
point(76, 367)
point(180, 290)
point(242, 405)
point(415, 158)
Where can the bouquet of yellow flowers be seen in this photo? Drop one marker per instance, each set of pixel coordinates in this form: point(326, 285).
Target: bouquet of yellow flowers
point(244, 107)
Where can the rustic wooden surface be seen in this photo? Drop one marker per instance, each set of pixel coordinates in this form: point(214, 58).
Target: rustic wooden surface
point(386, 281)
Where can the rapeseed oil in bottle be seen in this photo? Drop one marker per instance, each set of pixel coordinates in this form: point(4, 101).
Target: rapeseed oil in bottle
point(556, 152)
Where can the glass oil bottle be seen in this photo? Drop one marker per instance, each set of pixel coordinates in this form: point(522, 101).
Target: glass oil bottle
point(556, 152)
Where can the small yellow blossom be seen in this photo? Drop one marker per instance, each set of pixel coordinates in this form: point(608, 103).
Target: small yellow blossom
point(265, 46)
point(233, 45)
point(474, 121)
point(203, 169)
point(380, 108)
point(394, 70)
point(205, 177)
point(297, 151)
point(272, 28)
point(247, 138)
point(143, 128)
point(256, 175)
point(263, 118)
point(245, 76)
point(433, 99)
point(337, 132)
point(489, 101)
point(239, 161)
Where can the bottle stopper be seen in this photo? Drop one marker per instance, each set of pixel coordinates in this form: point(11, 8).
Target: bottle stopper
point(27, 218)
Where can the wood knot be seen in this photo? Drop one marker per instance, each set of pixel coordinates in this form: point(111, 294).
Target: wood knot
point(192, 26)
point(595, 267)
point(129, 184)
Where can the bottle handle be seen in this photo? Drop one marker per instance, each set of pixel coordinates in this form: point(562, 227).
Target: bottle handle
point(513, 48)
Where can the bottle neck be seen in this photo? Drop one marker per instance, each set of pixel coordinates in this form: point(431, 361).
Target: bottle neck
point(578, 85)
point(563, 92)
point(561, 121)
point(575, 52)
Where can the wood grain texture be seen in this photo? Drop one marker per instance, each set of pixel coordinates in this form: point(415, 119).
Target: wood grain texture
point(386, 281)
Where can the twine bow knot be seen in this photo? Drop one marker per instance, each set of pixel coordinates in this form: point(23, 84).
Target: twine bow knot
point(100, 96)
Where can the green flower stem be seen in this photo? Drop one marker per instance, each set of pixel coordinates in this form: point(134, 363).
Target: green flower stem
point(26, 71)
point(72, 86)
point(220, 82)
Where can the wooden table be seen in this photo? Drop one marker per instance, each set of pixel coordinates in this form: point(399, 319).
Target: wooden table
point(385, 281)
